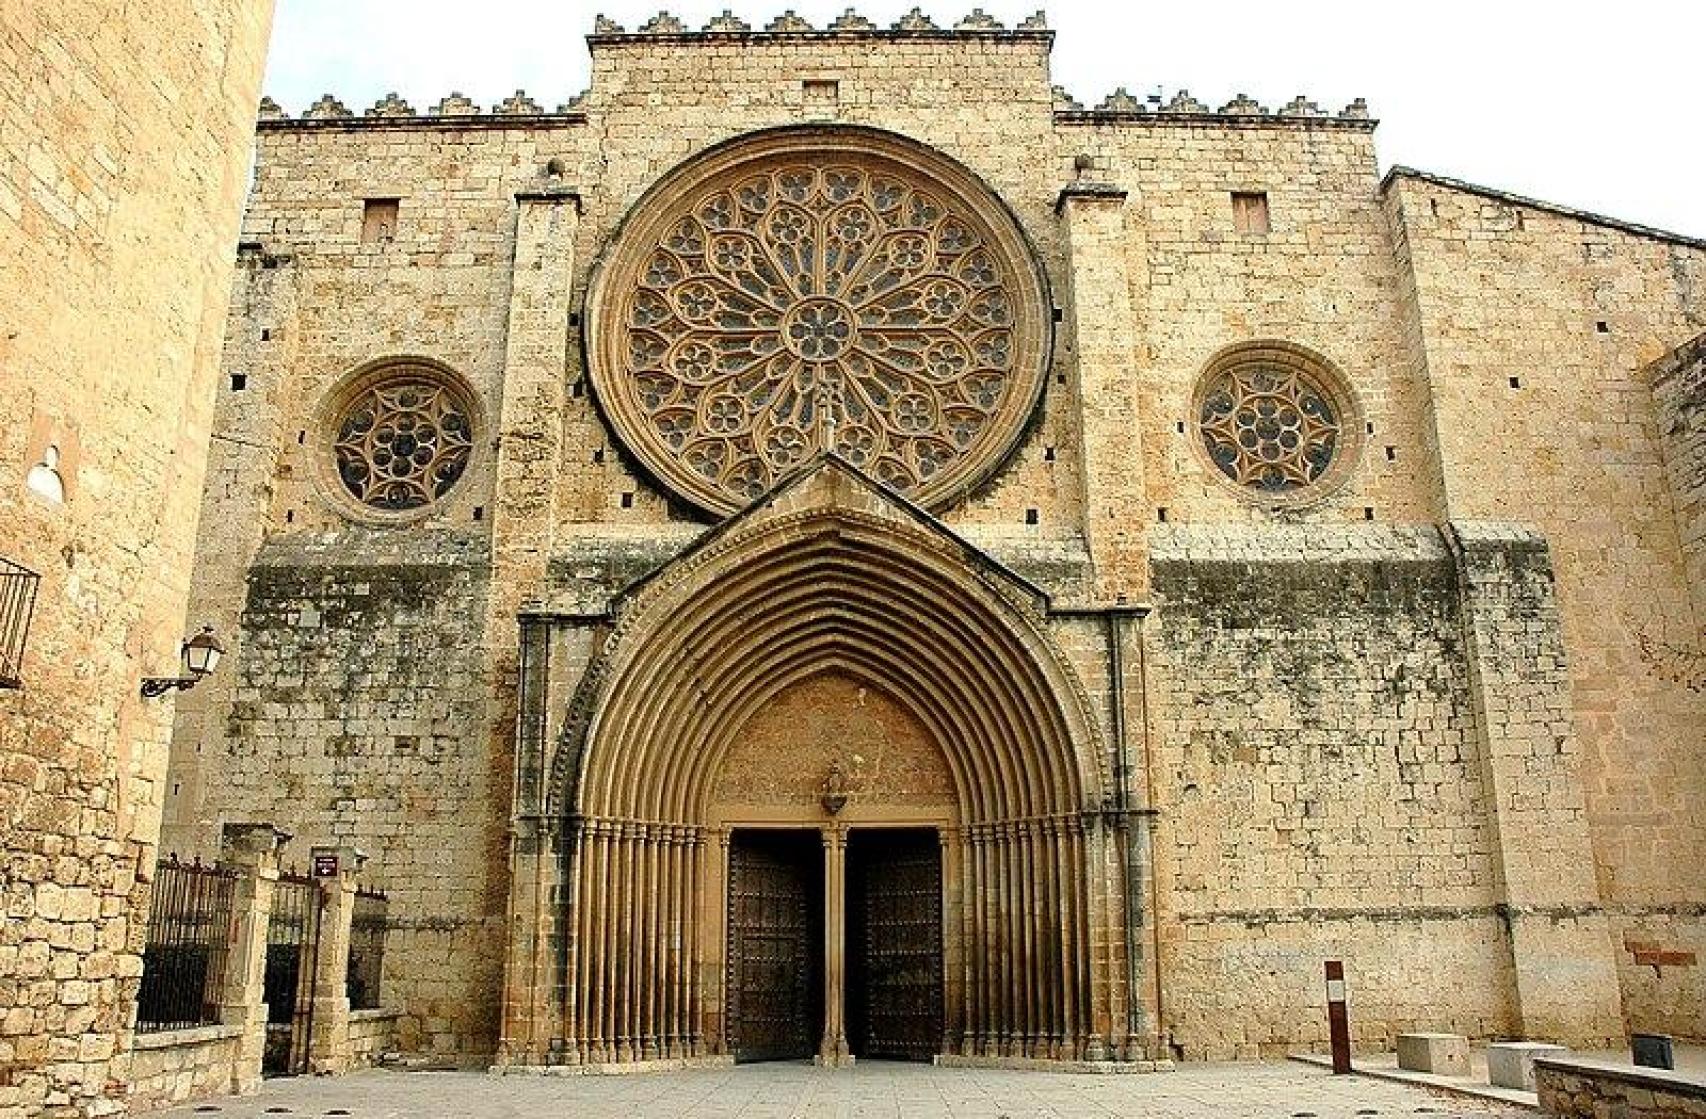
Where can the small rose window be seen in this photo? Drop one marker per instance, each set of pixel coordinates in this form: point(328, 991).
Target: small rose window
point(1274, 420)
point(402, 441)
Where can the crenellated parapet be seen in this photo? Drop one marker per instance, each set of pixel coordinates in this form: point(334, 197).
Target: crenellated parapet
point(1122, 106)
point(915, 23)
point(666, 29)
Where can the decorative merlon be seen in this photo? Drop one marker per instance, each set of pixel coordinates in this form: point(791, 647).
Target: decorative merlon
point(787, 22)
point(391, 106)
point(456, 105)
point(1119, 101)
point(1242, 106)
point(327, 108)
point(1036, 21)
point(727, 22)
point(979, 20)
point(1301, 106)
point(663, 24)
point(915, 20)
point(517, 105)
point(851, 20)
point(270, 110)
point(1183, 102)
point(1064, 102)
point(1356, 110)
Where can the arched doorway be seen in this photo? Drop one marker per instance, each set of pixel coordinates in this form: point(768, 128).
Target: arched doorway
point(836, 800)
point(832, 663)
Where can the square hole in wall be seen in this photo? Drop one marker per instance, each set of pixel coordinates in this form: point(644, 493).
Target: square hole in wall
point(820, 93)
point(1602, 327)
point(628, 500)
point(379, 219)
point(239, 382)
point(1250, 211)
point(1032, 516)
point(1516, 382)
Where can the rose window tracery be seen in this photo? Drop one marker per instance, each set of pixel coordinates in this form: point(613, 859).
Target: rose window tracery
point(810, 298)
point(1274, 421)
point(402, 441)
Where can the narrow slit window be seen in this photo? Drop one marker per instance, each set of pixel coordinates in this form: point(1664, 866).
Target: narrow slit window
point(1250, 211)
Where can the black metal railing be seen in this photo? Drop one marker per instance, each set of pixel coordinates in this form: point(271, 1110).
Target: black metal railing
point(366, 949)
point(190, 930)
point(17, 604)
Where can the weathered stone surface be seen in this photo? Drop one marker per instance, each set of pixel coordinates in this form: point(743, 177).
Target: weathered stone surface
point(1378, 723)
point(1440, 1054)
point(1510, 1064)
point(121, 181)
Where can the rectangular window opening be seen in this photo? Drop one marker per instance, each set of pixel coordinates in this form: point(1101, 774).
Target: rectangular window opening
point(1250, 211)
point(266, 335)
point(1602, 327)
point(1392, 454)
point(628, 499)
point(598, 455)
point(1048, 454)
point(1516, 382)
point(479, 512)
point(1161, 514)
point(1031, 516)
point(239, 382)
point(1368, 512)
point(379, 220)
point(821, 93)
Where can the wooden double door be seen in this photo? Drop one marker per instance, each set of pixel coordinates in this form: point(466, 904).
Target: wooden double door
point(779, 942)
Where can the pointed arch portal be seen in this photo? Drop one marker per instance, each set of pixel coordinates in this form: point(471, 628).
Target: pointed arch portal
point(830, 579)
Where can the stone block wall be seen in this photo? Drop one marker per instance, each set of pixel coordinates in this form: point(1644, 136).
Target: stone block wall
point(1340, 799)
point(1577, 1089)
point(372, 1034)
point(121, 181)
point(354, 721)
point(177, 1066)
point(1679, 393)
point(1537, 324)
point(1321, 790)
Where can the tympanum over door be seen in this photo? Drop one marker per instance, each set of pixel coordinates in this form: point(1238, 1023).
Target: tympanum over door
point(775, 944)
point(894, 933)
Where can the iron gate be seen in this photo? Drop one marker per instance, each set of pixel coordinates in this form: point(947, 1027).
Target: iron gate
point(292, 936)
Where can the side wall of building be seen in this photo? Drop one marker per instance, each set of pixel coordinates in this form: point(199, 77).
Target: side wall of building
point(121, 181)
point(1321, 787)
point(1536, 326)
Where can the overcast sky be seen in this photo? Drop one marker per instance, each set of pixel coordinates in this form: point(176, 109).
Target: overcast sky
point(1593, 105)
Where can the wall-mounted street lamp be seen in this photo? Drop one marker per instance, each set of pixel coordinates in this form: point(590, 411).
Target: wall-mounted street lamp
point(200, 656)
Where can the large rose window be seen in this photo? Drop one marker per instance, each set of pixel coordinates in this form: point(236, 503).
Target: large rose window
point(812, 291)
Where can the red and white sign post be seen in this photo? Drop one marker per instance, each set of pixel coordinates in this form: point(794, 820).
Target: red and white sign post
point(1338, 1016)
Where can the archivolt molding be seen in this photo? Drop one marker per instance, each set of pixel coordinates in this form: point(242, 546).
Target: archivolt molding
point(833, 588)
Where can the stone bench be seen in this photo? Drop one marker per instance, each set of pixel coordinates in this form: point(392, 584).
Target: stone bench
point(1510, 1064)
point(1440, 1054)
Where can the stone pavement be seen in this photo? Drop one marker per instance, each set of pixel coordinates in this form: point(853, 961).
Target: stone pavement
point(868, 1091)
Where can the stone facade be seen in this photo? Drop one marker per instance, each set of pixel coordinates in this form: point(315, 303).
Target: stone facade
point(1398, 714)
point(121, 184)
